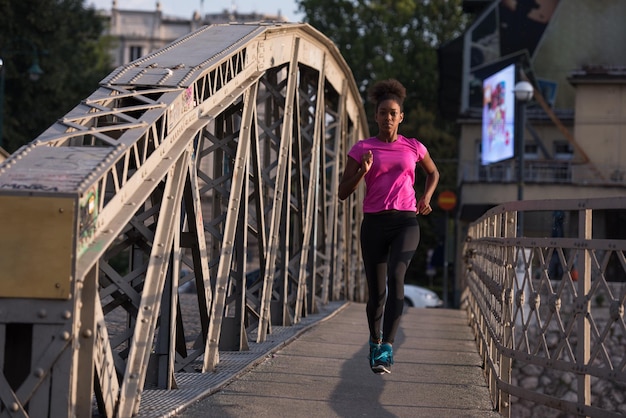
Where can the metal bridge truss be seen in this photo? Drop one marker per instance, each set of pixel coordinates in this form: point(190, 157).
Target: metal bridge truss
point(551, 299)
point(211, 164)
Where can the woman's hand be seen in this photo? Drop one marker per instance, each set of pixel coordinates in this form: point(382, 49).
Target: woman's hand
point(354, 172)
point(432, 179)
point(366, 161)
point(423, 207)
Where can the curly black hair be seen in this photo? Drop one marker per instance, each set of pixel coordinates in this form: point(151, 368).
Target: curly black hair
point(385, 90)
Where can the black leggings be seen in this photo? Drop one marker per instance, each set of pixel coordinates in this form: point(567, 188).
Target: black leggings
point(388, 242)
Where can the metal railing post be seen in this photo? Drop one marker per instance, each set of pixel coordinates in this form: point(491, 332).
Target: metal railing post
point(583, 306)
point(506, 363)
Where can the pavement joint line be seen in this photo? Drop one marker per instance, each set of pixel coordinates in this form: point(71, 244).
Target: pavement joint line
point(162, 403)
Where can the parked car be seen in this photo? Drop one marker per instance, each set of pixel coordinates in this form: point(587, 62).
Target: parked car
point(419, 297)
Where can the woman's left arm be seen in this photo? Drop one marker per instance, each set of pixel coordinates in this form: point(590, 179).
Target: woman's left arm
point(432, 179)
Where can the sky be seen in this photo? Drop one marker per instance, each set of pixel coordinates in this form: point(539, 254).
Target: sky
point(185, 8)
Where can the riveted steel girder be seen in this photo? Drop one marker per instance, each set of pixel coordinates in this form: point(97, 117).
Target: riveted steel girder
point(185, 207)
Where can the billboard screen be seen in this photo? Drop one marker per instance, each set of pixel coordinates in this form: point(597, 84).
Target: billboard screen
point(498, 133)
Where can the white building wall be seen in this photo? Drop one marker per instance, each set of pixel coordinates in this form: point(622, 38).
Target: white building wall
point(148, 31)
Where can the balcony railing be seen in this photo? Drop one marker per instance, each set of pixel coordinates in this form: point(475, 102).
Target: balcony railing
point(542, 171)
point(548, 310)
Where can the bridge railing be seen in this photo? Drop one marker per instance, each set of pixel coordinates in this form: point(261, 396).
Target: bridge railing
point(547, 305)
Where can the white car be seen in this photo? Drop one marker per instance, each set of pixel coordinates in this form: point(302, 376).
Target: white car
point(419, 297)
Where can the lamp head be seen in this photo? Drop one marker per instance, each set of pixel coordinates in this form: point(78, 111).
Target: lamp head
point(35, 71)
point(523, 91)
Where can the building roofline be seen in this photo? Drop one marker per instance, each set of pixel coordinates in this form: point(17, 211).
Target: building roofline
point(598, 75)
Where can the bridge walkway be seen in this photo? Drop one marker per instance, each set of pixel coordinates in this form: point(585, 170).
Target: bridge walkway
point(322, 371)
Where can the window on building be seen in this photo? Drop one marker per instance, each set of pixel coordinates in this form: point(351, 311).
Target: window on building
point(563, 150)
point(531, 150)
point(135, 52)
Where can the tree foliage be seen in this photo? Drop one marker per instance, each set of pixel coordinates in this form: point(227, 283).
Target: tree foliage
point(389, 38)
point(381, 39)
point(66, 39)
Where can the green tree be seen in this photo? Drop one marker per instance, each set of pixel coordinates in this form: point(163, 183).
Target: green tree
point(382, 39)
point(389, 38)
point(66, 39)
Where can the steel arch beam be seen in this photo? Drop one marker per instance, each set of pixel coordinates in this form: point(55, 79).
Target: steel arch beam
point(218, 157)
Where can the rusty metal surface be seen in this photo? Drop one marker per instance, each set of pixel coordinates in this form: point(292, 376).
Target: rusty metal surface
point(36, 246)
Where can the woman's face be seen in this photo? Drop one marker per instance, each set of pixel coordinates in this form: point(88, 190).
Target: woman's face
point(388, 117)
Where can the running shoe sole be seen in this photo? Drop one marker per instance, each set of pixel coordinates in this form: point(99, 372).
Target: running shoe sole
point(380, 369)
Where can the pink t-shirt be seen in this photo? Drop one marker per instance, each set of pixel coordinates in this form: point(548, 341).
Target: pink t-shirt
point(389, 182)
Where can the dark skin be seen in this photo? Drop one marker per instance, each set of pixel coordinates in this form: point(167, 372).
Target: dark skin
point(388, 116)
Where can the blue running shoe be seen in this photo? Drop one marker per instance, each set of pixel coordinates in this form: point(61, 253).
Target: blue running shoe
point(374, 352)
point(384, 359)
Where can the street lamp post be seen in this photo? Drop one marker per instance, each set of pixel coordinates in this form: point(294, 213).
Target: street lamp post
point(1, 100)
point(523, 93)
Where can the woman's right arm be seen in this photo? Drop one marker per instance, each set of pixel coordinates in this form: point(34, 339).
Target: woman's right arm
point(353, 174)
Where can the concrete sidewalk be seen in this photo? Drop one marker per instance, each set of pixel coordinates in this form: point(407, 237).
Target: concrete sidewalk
point(325, 373)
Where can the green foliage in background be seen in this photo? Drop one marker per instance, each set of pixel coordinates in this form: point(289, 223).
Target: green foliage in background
point(66, 37)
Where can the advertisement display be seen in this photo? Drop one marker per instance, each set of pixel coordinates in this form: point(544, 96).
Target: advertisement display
point(498, 125)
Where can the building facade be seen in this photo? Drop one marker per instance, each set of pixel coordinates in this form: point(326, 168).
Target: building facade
point(137, 33)
point(572, 132)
